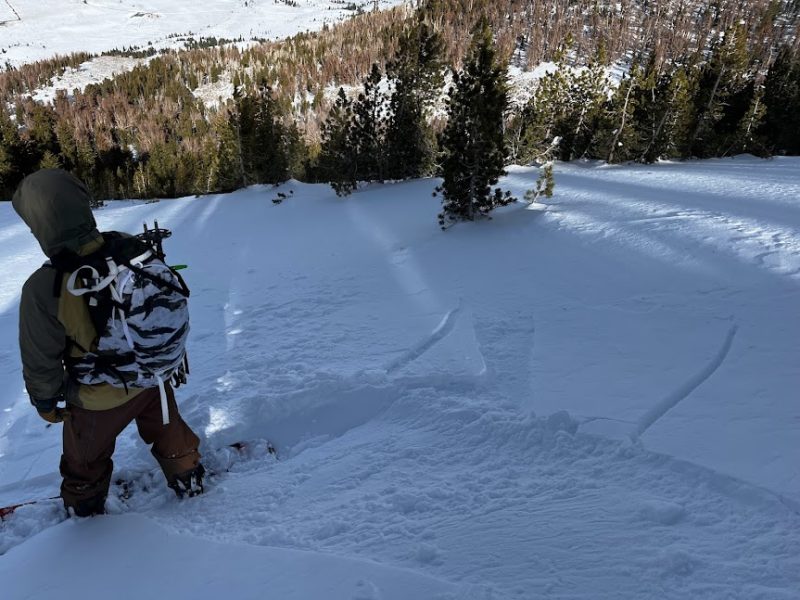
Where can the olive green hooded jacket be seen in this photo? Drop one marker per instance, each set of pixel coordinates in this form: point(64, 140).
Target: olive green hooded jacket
point(57, 208)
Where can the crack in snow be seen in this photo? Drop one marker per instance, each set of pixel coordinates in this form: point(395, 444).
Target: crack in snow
point(673, 399)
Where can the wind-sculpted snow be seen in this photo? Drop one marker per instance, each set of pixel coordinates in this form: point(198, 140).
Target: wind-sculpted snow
point(596, 400)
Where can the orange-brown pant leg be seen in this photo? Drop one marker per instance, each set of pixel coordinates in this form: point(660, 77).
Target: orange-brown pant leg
point(175, 446)
point(89, 439)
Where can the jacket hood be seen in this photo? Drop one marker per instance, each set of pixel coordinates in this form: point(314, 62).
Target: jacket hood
point(57, 208)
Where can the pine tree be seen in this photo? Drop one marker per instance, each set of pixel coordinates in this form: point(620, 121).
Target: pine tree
point(745, 120)
point(186, 173)
point(336, 163)
point(40, 127)
point(161, 166)
point(655, 101)
point(668, 116)
point(67, 144)
point(569, 114)
point(587, 98)
point(367, 133)
point(720, 99)
point(545, 184)
point(417, 72)
point(11, 150)
point(296, 151)
point(50, 161)
point(617, 136)
point(472, 142)
point(85, 167)
point(114, 168)
point(225, 168)
point(780, 130)
point(541, 118)
point(262, 137)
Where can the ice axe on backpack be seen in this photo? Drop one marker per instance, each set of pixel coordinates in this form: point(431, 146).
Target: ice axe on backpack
point(154, 237)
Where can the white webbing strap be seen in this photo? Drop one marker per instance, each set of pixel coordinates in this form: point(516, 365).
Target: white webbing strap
point(113, 271)
point(140, 260)
point(117, 289)
point(102, 283)
point(125, 329)
point(164, 406)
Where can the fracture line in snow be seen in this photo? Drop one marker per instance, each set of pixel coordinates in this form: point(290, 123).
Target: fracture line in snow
point(442, 330)
point(592, 419)
point(660, 409)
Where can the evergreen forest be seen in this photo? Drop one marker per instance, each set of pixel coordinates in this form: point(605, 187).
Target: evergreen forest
point(423, 90)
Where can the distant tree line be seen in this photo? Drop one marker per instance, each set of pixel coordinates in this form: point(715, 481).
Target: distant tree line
point(720, 106)
point(705, 78)
point(387, 132)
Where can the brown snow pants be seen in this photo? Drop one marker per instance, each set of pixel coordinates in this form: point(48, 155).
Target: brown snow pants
point(90, 437)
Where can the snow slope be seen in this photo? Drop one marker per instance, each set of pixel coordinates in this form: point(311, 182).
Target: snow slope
point(597, 400)
point(32, 30)
point(260, 572)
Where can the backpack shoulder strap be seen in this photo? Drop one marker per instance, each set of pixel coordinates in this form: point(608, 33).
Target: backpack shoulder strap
point(65, 262)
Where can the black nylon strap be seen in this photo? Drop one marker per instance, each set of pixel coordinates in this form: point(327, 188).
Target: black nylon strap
point(183, 290)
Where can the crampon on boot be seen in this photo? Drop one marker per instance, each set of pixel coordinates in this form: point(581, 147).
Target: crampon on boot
point(189, 483)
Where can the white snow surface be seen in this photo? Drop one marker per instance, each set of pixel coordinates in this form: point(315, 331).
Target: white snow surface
point(593, 399)
point(33, 30)
point(90, 72)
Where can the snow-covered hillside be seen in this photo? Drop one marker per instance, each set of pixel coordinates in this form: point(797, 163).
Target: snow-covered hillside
point(597, 400)
point(37, 29)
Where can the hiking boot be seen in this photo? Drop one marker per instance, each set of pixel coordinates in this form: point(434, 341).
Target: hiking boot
point(189, 483)
point(88, 507)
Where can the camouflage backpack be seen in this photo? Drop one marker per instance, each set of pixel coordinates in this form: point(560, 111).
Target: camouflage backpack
point(138, 305)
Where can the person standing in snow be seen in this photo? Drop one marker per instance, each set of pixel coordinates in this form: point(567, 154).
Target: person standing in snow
point(58, 340)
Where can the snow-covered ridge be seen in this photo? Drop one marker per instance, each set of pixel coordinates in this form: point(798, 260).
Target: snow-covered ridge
point(33, 30)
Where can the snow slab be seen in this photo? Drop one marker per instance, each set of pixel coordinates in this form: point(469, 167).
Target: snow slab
point(131, 558)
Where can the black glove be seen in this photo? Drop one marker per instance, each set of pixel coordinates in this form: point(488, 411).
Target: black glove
point(49, 410)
